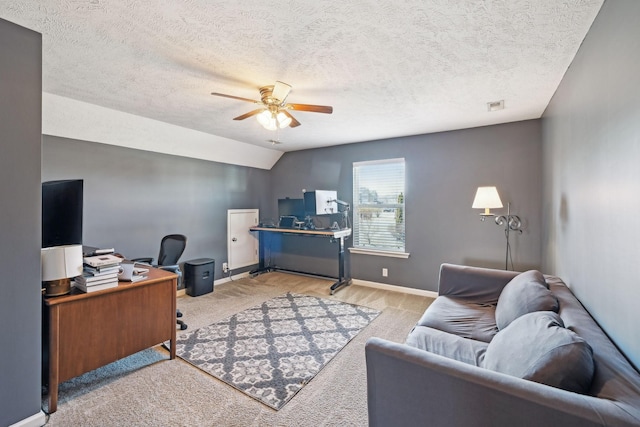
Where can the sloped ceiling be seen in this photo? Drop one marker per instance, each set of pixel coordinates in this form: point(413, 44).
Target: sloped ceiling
point(139, 73)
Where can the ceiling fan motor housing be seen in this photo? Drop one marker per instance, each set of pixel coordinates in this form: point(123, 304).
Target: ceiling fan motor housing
point(266, 95)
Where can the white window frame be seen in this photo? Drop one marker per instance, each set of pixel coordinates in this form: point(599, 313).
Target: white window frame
point(358, 207)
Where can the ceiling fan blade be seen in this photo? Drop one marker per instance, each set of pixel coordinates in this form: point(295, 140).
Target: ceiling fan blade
point(249, 114)
point(294, 122)
point(235, 97)
point(281, 91)
point(313, 108)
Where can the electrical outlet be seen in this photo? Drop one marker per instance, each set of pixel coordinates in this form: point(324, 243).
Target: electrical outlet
point(385, 272)
point(225, 267)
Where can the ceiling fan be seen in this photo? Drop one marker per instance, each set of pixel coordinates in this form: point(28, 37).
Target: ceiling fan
point(274, 112)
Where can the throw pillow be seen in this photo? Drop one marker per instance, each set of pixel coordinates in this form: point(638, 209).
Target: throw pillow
point(525, 293)
point(461, 317)
point(447, 345)
point(537, 347)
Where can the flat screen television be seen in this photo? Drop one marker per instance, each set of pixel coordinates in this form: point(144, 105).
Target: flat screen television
point(321, 202)
point(62, 205)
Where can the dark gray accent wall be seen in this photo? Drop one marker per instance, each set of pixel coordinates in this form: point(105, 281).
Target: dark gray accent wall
point(443, 173)
point(591, 134)
point(20, 223)
point(133, 198)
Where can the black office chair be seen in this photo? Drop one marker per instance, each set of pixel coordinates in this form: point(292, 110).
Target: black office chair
point(171, 249)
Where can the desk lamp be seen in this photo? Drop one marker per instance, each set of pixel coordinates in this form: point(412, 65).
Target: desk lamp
point(59, 264)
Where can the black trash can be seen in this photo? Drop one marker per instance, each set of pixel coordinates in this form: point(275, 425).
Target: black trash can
point(198, 276)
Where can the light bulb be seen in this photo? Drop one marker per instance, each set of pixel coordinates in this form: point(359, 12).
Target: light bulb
point(283, 120)
point(264, 117)
point(271, 125)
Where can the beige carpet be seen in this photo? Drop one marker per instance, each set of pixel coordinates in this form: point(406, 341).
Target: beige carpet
point(147, 389)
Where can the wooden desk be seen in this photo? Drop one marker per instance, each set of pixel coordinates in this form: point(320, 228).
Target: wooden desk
point(89, 330)
point(338, 236)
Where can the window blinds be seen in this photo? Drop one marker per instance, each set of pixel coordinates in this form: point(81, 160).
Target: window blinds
point(379, 205)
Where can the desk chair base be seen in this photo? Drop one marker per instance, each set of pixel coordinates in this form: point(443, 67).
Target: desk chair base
point(338, 285)
point(183, 325)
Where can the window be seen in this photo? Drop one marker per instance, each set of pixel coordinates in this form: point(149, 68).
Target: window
point(379, 207)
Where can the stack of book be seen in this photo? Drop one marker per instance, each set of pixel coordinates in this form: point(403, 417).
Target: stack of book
point(99, 272)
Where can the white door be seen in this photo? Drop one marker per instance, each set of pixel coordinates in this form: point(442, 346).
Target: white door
point(242, 245)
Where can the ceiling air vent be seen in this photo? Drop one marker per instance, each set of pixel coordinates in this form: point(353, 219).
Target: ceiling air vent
point(495, 105)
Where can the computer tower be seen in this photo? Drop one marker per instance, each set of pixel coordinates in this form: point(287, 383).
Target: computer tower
point(198, 276)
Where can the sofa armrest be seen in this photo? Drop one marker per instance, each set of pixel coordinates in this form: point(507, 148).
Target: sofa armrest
point(411, 387)
point(475, 283)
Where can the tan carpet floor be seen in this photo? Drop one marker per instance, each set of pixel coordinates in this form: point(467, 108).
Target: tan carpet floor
point(147, 389)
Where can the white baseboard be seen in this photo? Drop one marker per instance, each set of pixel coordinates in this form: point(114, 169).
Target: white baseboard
point(394, 288)
point(183, 291)
point(35, 420)
point(384, 286)
point(229, 279)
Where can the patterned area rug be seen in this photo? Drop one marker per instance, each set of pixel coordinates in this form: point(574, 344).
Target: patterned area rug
point(271, 351)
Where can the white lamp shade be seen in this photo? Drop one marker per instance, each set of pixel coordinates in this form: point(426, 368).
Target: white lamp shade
point(487, 198)
point(264, 118)
point(283, 120)
point(61, 262)
point(267, 120)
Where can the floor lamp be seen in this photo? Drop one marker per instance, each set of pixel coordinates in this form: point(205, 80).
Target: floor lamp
point(487, 198)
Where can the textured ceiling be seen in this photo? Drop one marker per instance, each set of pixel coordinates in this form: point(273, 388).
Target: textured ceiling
point(389, 68)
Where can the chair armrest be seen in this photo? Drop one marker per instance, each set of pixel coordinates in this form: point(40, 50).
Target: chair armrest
point(411, 387)
point(143, 260)
point(479, 284)
point(175, 268)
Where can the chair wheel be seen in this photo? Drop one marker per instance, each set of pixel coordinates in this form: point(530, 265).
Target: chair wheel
point(183, 327)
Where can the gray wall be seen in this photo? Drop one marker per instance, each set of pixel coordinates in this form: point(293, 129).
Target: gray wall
point(443, 173)
point(20, 223)
point(591, 132)
point(133, 198)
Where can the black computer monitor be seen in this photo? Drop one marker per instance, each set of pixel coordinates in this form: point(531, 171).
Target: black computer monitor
point(62, 212)
point(291, 207)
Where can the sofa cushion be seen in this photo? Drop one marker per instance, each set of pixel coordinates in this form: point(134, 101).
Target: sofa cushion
point(447, 345)
point(525, 293)
point(537, 347)
point(461, 317)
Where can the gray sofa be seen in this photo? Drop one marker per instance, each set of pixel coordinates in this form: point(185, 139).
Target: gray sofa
point(491, 351)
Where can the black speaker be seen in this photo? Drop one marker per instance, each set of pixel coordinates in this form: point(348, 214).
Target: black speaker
point(198, 276)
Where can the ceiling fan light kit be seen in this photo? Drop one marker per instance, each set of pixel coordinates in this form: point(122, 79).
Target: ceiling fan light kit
point(273, 121)
point(274, 113)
